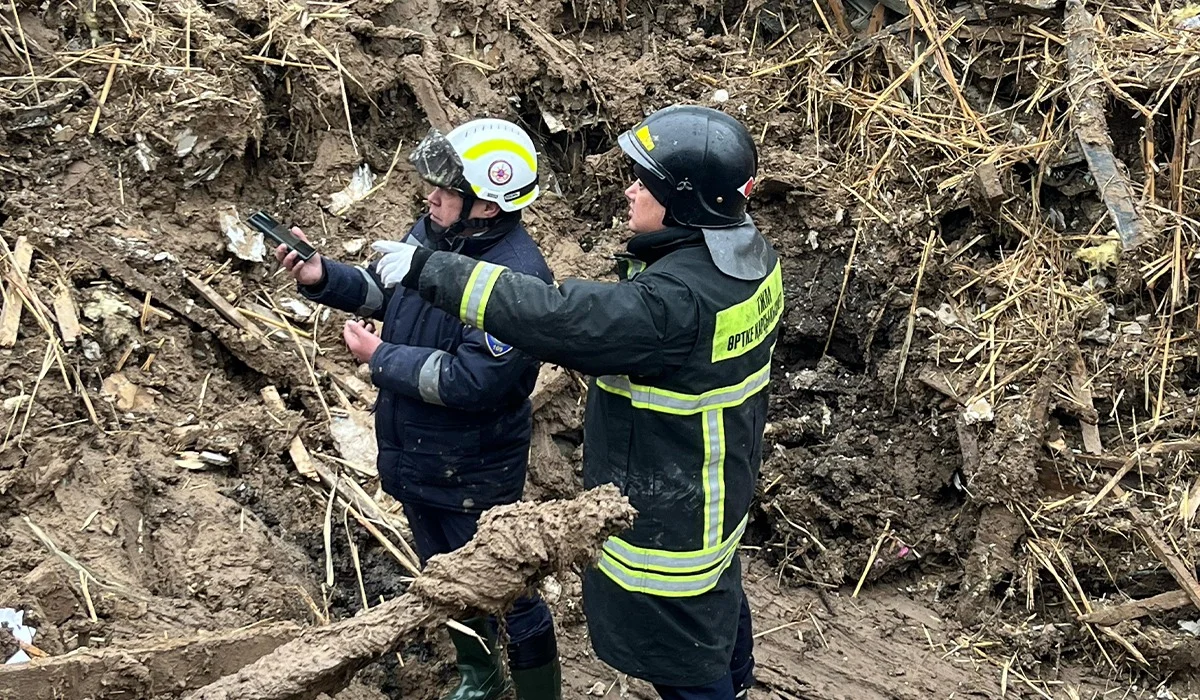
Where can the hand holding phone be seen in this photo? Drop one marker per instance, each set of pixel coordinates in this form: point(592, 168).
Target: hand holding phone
point(293, 251)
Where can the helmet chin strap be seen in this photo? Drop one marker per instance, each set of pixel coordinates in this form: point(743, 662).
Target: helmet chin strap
point(464, 223)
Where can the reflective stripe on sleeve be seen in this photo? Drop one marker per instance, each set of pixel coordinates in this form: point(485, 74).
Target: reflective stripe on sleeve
point(429, 380)
point(374, 299)
point(478, 290)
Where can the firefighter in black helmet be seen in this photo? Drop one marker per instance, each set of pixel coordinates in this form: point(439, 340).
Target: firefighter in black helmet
point(680, 349)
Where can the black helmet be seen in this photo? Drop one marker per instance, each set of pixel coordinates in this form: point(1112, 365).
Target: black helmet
point(698, 162)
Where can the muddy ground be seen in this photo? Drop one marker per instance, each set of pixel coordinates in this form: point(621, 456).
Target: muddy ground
point(114, 528)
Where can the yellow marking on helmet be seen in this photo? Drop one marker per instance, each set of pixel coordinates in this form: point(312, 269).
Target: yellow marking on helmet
point(483, 148)
point(643, 135)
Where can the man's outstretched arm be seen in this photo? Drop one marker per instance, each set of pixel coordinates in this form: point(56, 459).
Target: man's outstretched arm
point(644, 327)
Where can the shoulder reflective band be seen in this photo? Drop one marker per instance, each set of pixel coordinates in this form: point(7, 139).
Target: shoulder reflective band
point(475, 296)
point(667, 562)
point(667, 586)
point(741, 327)
point(655, 399)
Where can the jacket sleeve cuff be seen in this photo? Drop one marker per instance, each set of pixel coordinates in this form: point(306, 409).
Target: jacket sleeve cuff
point(413, 279)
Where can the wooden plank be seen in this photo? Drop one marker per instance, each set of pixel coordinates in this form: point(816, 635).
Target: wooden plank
point(222, 306)
point(67, 314)
point(10, 316)
point(303, 461)
point(274, 401)
point(1133, 609)
point(175, 666)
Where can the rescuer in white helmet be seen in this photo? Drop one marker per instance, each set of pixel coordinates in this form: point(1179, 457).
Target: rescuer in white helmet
point(453, 419)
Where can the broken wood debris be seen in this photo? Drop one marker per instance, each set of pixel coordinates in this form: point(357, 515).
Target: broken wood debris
point(143, 671)
point(1133, 609)
point(1088, 98)
point(230, 312)
point(514, 546)
point(10, 316)
point(66, 312)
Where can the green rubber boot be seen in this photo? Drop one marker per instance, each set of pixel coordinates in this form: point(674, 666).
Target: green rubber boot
point(541, 683)
point(479, 668)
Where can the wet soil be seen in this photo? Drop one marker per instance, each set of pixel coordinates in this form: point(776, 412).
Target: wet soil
point(224, 109)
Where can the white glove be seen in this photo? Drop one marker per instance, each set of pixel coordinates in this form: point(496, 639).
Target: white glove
point(396, 261)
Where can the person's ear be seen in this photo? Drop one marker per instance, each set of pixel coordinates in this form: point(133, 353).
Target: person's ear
point(490, 210)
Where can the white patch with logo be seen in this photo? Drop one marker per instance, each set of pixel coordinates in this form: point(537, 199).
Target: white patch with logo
point(495, 346)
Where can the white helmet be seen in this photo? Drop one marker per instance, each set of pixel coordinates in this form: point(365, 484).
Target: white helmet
point(488, 159)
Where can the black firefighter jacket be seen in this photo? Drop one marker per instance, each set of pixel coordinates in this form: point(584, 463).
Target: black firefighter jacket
point(680, 353)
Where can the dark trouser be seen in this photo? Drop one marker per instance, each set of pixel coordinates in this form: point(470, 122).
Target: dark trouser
point(741, 669)
point(531, 641)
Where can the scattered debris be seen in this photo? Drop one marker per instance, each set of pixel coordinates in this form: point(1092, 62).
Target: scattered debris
point(360, 186)
point(242, 241)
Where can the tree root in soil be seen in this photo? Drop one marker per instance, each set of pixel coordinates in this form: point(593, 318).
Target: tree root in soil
point(515, 546)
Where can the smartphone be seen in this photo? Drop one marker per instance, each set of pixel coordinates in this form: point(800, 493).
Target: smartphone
point(281, 234)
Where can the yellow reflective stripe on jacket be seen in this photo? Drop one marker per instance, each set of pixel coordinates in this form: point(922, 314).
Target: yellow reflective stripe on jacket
point(680, 586)
point(668, 562)
point(742, 327)
point(714, 476)
point(478, 290)
point(655, 399)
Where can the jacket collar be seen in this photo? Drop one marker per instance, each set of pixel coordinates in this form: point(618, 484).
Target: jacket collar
point(652, 247)
point(471, 245)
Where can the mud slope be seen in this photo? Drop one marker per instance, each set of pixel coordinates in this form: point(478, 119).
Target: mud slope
point(983, 394)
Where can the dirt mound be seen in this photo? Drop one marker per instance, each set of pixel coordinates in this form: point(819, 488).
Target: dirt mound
point(984, 384)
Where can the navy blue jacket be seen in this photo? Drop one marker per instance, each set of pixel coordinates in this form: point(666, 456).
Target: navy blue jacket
point(453, 417)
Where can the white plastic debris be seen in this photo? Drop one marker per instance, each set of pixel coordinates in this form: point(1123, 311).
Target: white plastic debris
point(144, 153)
point(354, 246)
point(301, 310)
point(1191, 627)
point(812, 239)
point(553, 123)
point(185, 141)
point(721, 96)
point(1131, 328)
point(360, 184)
point(979, 411)
point(242, 242)
point(14, 620)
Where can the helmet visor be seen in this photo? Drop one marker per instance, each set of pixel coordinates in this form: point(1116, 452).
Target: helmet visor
point(437, 162)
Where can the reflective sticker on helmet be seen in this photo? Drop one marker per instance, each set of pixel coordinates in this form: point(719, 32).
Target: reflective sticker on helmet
point(746, 188)
point(643, 135)
point(495, 346)
point(500, 172)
